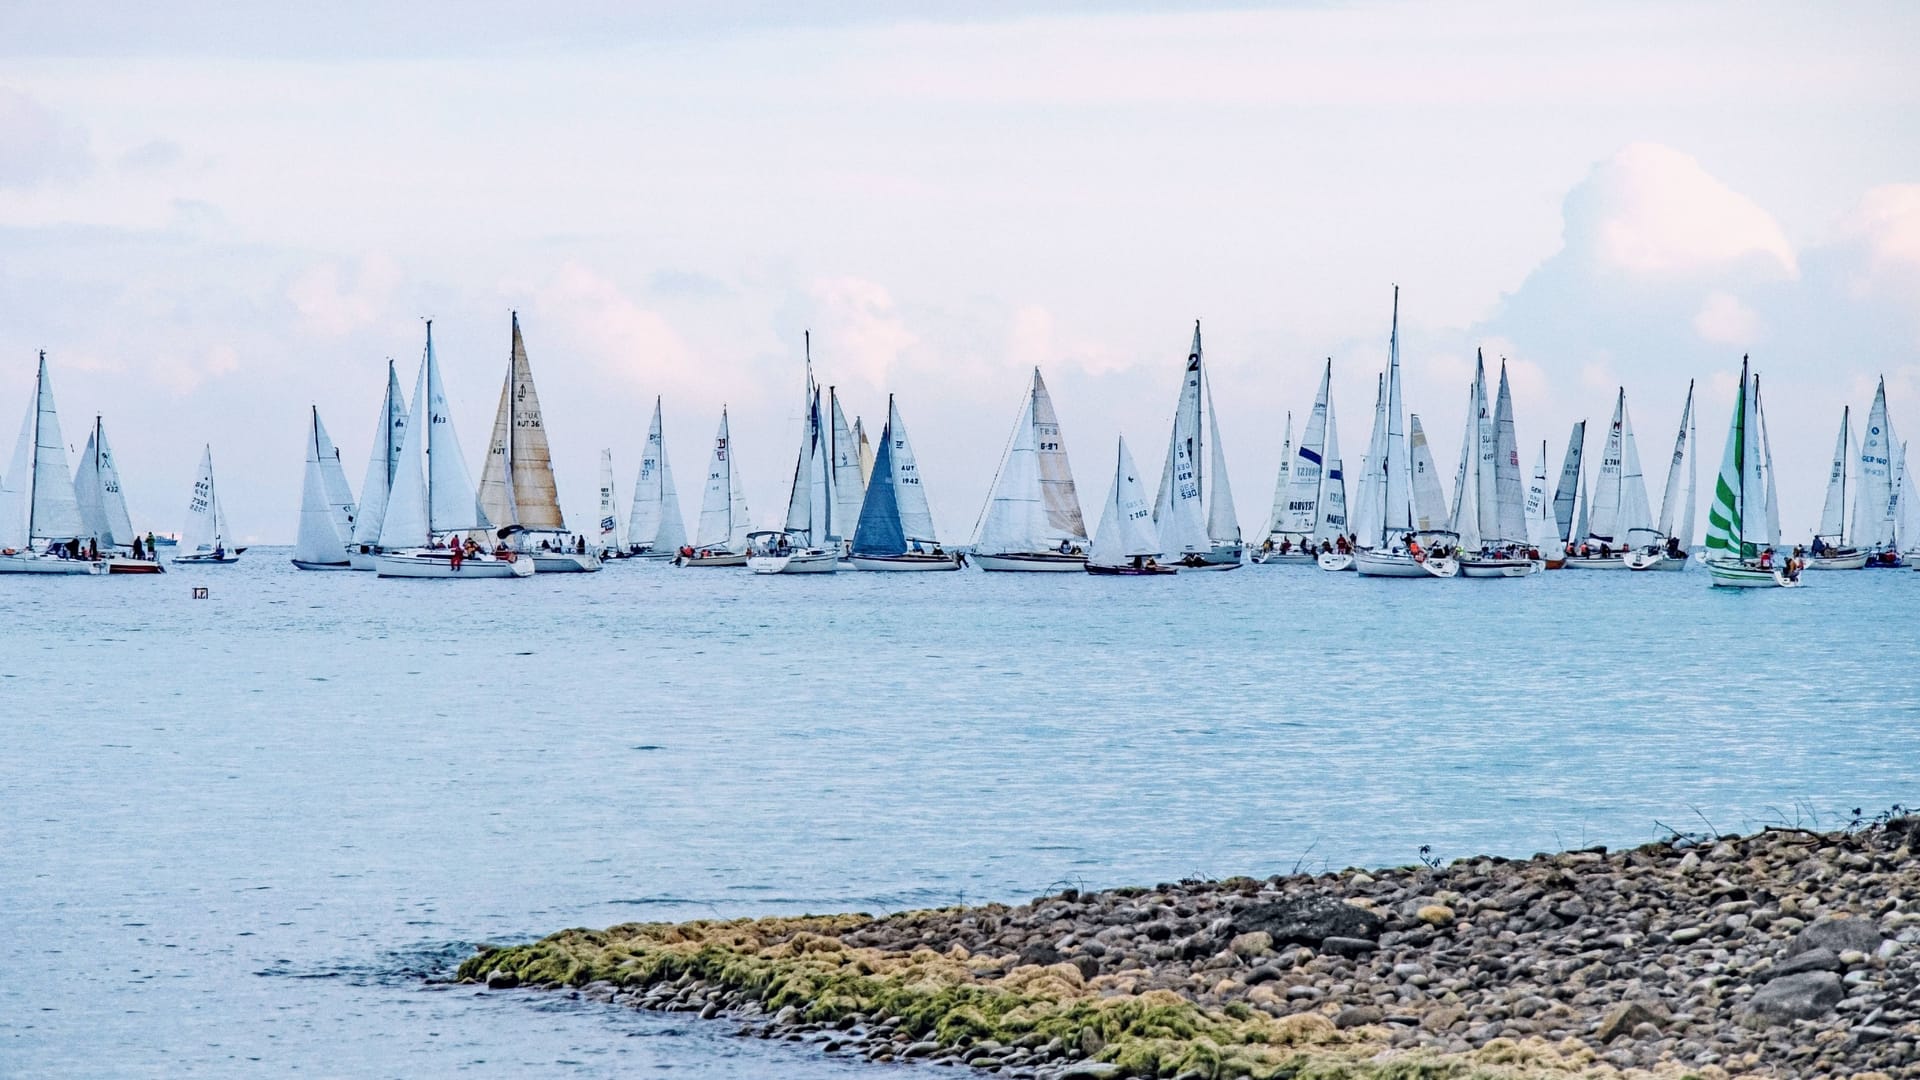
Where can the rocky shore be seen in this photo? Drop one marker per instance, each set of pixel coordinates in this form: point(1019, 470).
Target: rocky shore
point(1784, 953)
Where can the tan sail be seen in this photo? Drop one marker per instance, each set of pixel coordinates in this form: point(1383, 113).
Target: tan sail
point(517, 486)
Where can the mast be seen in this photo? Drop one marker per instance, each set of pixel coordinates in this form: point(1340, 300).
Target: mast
point(427, 389)
point(33, 467)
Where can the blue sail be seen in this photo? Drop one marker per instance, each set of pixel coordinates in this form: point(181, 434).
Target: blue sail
point(879, 531)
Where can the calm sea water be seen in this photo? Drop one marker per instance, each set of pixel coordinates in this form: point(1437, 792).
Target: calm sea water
point(238, 835)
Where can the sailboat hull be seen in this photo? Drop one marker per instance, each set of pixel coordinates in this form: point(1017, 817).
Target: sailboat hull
point(1595, 562)
point(1334, 561)
point(208, 559)
point(563, 562)
point(121, 565)
point(438, 564)
point(1400, 564)
point(719, 558)
point(1728, 574)
point(363, 560)
point(1130, 571)
point(1653, 560)
point(30, 563)
point(304, 564)
point(1295, 556)
point(909, 563)
point(1498, 568)
point(1855, 561)
point(812, 561)
point(1040, 562)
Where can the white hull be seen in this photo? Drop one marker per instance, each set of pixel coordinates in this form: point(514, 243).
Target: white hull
point(1400, 564)
point(437, 564)
point(209, 559)
point(812, 561)
point(725, 558)
point(27, 563)
point(1498, 568)
point(1733, 575)
point(1130, 570)
point(123, 564)
point(302, 564)
point(1595, 562)
point(1034, 563)
point(363, 560)
point(908, 563)
point(1855, 561)
point(1334, 561)
point(1653, 560)
point(562, 562)
point(1222, 557)
point(1296, 557)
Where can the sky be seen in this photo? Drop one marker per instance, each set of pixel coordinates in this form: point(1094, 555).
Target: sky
point(214, 216)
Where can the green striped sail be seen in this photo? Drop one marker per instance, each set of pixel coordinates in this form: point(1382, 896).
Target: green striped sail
point(1724, 526)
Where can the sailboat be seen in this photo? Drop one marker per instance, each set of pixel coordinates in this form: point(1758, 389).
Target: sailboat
point(205, 537)
point(1032, 520)
point(1385, 550)
point(37, 501)
point(433, 497)
point(1277, 517)
point(383, 464)
point(808, 544)
point(1299, 501)
point(1571, 486)
point(1906, 533)
point(725, 523)
point(610, 541)
point(517, 489)
point(1332, 533)
point(1369, 507)
point(1194, 510)
point(1619, 517)
point(1876, 501)
point(1830, 549)
point(1126, 543)
point(1738, 510)
point(1543, 535)
point(103, 507)
point(655, 529)
point(896, 524)
point(849, 476)
point(1674, 532)
point(1489, 505)
point(326, 506)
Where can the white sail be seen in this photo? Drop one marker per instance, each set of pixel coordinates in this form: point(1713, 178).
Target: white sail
point(320, 539)
point(1684, 526)
point(1875, 491)
point(1429, 498)
point(647, 513)
point(1223, 521)
point(1509, 493)
point(916, 517)
point(1370, 509)
point(1543, 534)
point(389, 441)
point(1580, 520)
point(1126, 525)
point(1466, 477)
point(1603, 513)
point(1279, 518)
point(810, 501)
point(1679, 489)
point(103, 508)
point(608, 536)
point(516, 484)
point(201, 532)
point(1906, 537)
point(1565, 492)
point(1333, 486)
point(39, 478)
point(1727, 516)
point(866, 452)
point(724, 520)
point(849, 484)
point(1178, 510)
point(1299, 514)
point(432, 490)
point(1833, 512)
point(14, 484)
point(1636, 512)
point(1769, 484)
point(1034, 506)
point(1484, 462)
point(673, 524)
point(333, 481)
point(405, 523)
point(1398, 471)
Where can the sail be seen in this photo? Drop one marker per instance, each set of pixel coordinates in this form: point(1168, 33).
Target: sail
point(517, 485)
point(14, 484)
point(673, 524)
point(1429, 499)
point(1833, 512)
point(1466, 478)
point(1636, 513)
point(1726, 514)
point(1509, 493)
point(1484, 463)
point(1370, 518)
point(103, 507)
point(647, 513)
point(333, 480)
point(1570, 484)
point(1333, 486)
point(1875, 493)
point(201, 529)
point(320, 539)
point(1305, 468)
point(1223, 521)
point(849, 485)
point(880, 531)
point(607, 536)
point(451, 506)
point(866, 453)
point(801, 512)
point(1679, 483)
point(405, 522)
point(1033, 506)
point(1278, 518)
point(724, 521)
point(389, 441)
point(1906, 536)
point(1126, 525)
point(1542, 533)
point(41, 477)
point(1769, 485)
point(1178, 509)
point(1059, 500)
point(916, 517)
point(1603, 514)
point(1397, 472)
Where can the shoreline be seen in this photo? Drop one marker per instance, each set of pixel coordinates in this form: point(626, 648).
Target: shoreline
point(1784, 952)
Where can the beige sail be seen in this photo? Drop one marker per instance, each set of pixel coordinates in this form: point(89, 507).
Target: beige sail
point(516, 486)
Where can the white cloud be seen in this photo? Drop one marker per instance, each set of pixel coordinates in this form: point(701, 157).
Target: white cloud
point(37, 146)
point(1657, 211)
point(332, 302)
point(1724, 320)
point(860, 328)
point(592, 316)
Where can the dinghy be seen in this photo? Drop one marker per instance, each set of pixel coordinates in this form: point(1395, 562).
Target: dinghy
point(517, 488)
point(205, 538)
point(896, 524)
point(1389, 548)
point(1126, 543)
point(1619, 516)
point(809, 544)
point(433, 497)
point(1830, 549)
point(725, 522)
point(1734, 558)
point(1032, 520)
point(1194, 509)
point(655, 529)
point(103, 507)
point(383, 464)
point(326, 520)
point(1489, 513)
point(37, 501)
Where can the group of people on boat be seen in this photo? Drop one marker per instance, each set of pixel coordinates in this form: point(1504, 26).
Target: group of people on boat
point(462, 549)
point(578, 547)
point(1791, 568)
point(1306, 546)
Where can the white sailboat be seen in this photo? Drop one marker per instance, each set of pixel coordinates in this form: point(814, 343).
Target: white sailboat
point(1620, 516)
point(1830, 549)
point(205, 538)
point(383, 464)
point(517, 491)
point(1032, 521)
point(655, 529)
point(1392, 550)
point(808, 544)
point(610, 539)
point(1297, 524)
point(896, 523)
point(433, 498)
point(1877, 498)
point(725, 523)
point(1332, 533)
point(37, 501)
point(849, 478)
point(103, 507)
point(1194, 510)
point(1278, 517)
point(1907, 519)
point(1490, 506)
point(326, 517)
point(1570, 485)
point(1736, 557)
point(1667, 548)
point(1543, 534)
point(1126, 544)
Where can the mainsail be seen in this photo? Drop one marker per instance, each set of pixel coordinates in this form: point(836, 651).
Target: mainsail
point(1370, 518)
point(1620, 505)
point(1179, 508)
point(333, 480)
point(1333, 488)
point(432, 490)
point(1876, 496)
point(1034, 506)
point(1429, 499)
point(205, 530)
point(1769, 484)
point(1676, 502)
point(321, 540)
point(1278, 518)
point(1833, 513)
point(1126, 525)
point(1542, 533)
point(389, 442)
point(724, 520)
point(96, 484)
point(654, 522)
point(849, 483)
point(1571, 484)
point(1728, 517)
point(810, 502)
point(608, 537)
point(1509, 495)
point(40, 503)
point(517, 485)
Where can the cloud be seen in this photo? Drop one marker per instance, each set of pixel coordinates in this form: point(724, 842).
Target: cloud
point(607, 328)
point(1723, 319)
point(688, 283)
point(859, 325)
point(1652, 210)
point(36, 146)
point(152, 156)
point(333, 302)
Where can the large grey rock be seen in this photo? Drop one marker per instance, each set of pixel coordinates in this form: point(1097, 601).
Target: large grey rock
point(1308, 920)
point(1623, 1018)
point(1806, 996)
point(1810, 960)
point(1838, 935)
